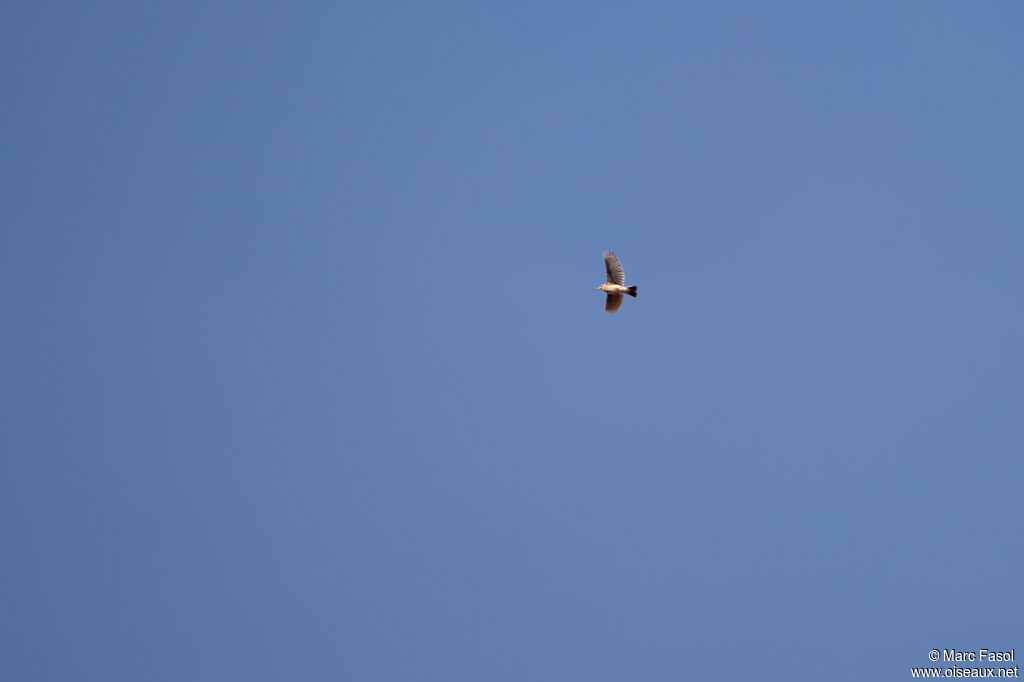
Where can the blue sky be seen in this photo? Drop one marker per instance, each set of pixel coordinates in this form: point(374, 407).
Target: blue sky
point(305, 377)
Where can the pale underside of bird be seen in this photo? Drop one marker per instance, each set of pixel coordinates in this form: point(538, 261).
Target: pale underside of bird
point(616, 285)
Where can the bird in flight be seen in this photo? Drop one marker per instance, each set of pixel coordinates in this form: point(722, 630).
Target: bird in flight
point(616, 285)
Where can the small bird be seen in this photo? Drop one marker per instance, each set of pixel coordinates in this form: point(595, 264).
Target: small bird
point(616, 285)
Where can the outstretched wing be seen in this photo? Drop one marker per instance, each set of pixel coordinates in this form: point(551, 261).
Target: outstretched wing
point(614, 269)
point(612, 303)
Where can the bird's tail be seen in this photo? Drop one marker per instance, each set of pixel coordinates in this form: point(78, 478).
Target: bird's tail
point(631, 291)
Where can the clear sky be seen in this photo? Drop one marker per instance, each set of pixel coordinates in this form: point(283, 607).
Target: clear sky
point(304, 376)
